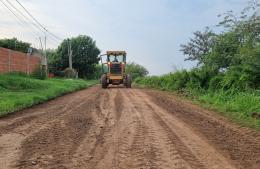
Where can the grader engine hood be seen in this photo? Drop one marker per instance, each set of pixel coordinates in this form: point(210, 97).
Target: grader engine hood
point(116, 68)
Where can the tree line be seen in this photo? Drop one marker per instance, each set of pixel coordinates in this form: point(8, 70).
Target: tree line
point(229, 60)
point(227, 75)
point(85, 58)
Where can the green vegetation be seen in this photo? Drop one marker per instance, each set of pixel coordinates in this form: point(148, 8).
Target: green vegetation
point(17, 45)
point(17, 91)
point(227, 77)
point(239, 106)
point(39, 73)
point(136, 70)
point(84, 56)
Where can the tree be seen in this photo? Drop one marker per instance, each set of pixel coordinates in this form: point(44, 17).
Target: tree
point(231, 58)
point(84, 57)
point(225, 51)
point(136, 70)
point(98, 72)
point(53, 61)
point(199, 46)
point(247, 24)
point(15, 44)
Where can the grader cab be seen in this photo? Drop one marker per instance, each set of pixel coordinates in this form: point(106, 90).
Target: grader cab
point(113, 69)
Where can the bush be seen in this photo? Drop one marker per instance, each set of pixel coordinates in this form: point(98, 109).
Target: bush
point(215, 82)
point(39, 73)
point(70, 73)
point(97, 73)
point(221, 95)
point(179, 80)
point(136, 70)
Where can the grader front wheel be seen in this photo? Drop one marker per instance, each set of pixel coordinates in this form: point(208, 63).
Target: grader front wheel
point(104, 81)
point(128, 83)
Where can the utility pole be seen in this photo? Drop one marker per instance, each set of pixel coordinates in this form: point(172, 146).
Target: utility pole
point(44, 57)
point(70, 59)
point(70, 54)
point(15, 44)
point(45, 53)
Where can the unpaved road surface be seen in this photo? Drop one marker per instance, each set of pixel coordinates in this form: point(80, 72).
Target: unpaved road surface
point(124, 128)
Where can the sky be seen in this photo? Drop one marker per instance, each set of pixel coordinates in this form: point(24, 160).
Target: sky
point(150, 31)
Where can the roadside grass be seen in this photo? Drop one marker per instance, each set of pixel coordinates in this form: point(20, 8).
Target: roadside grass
point(237, 107)
point(18, 91)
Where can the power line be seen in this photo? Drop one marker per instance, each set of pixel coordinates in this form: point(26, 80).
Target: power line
point(20, 16)
point(19, 20)
point(40, 26)
point(26, 18)
point(24, 15)
point(38, 22)
point(34, 24)
point(22, 22)
point(31, 16)
point(10, 10)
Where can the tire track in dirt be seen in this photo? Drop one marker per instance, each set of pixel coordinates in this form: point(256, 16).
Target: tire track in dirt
point(167, 152)
point(38, 119)
point(190, 145)
point(123, 149)
point(99, 150)
point(132, 152)
point(26, 121)
point(118, 102)
point(55, 144)
point(180, 150)
point(101, 147)
point(240, 145)
point(126, 130)
point(83, 152)
point(146, 150)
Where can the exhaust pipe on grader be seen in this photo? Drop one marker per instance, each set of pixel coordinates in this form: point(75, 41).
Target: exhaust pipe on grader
point(113, 69)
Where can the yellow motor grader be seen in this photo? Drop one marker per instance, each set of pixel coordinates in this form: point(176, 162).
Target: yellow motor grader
point(113, 69)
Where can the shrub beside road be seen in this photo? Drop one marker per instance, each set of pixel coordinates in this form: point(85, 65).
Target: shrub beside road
point(243, 107)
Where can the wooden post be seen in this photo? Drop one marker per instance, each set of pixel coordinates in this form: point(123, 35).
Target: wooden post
point(9, 60)
point(28, 64)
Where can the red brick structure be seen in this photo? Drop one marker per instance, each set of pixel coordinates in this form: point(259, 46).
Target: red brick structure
point(13, 61)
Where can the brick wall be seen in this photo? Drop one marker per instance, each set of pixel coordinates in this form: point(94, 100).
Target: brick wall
point(13, 61)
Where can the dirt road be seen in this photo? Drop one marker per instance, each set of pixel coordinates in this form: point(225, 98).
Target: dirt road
point(124, 128)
